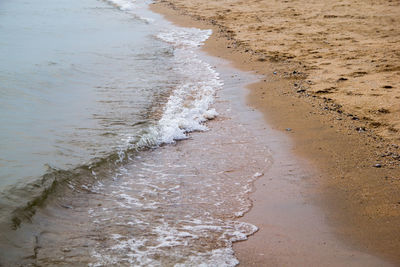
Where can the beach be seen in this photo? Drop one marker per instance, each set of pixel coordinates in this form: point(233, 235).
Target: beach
point(195, 133)
point(347, 51)
point(357, 182)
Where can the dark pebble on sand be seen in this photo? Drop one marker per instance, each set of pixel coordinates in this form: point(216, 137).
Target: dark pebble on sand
point(383, 110)
point(378, 165)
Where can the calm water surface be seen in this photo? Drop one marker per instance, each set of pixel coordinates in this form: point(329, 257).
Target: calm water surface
point(75, 78)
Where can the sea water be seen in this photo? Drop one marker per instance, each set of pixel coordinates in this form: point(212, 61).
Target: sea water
point(78, 81)
point(91, 95)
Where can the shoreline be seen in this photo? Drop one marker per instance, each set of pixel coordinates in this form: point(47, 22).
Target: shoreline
point(357, 197)
point(346, 52)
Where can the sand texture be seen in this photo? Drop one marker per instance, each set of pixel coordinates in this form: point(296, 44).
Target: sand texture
point(357, 174)
point(347, 51)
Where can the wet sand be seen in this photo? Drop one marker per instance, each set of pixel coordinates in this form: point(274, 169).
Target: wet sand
point(347, 208)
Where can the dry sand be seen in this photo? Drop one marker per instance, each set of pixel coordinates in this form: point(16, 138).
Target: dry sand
point(348, 50)
point(360, 199)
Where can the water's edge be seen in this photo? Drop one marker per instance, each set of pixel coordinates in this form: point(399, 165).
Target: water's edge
point(67, 194)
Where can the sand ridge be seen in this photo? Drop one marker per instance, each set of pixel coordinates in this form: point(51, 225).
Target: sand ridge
point(347, 51)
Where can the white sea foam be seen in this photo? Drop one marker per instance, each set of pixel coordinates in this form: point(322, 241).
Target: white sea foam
point(131, 7)
point(190, 104)
point(123, 5)
point(157, 234)
point(152, 229)
point(188, 37)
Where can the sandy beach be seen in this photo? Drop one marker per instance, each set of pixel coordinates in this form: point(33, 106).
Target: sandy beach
point(347, 51)
point(330, 73)
point(200, 133)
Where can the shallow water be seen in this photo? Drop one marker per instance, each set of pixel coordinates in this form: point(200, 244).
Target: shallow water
point(76, 78)
point(85, 177)
point(170, 206)
point(85, 82)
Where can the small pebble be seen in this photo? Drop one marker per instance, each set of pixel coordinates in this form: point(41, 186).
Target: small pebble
point(378, 165)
